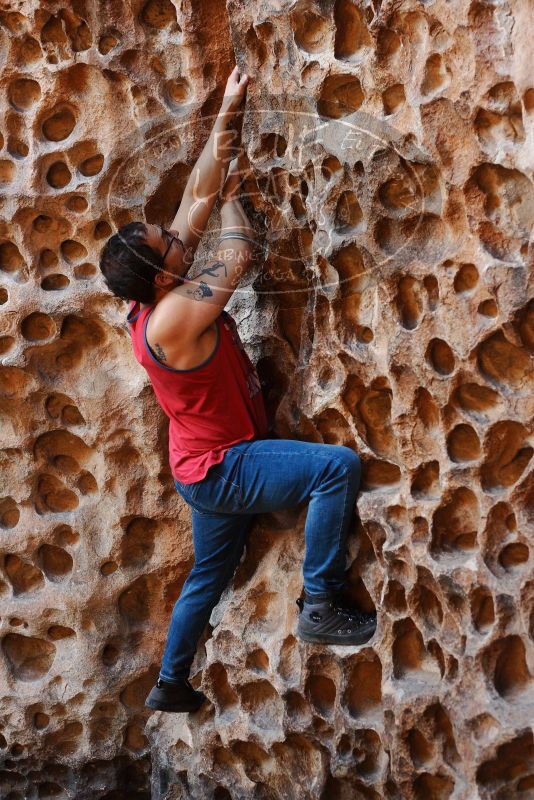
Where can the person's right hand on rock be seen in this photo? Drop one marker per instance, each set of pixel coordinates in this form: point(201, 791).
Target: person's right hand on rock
point(235, 90)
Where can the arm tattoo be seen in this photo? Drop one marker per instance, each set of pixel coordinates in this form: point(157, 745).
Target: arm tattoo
point(201, 291)
point(212, 270)
point(160, 352)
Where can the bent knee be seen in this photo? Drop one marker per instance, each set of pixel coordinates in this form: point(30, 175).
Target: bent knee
point(350, 460)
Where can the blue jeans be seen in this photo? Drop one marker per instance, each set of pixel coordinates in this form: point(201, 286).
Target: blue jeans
point(255, 477)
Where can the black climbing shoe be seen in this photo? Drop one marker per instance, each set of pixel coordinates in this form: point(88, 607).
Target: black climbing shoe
point(177, 697)
point(329, 621)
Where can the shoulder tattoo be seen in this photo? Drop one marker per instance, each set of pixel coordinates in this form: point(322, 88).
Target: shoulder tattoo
point(160, 352)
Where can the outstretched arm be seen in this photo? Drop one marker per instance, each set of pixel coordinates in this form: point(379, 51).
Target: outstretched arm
point(209, 173)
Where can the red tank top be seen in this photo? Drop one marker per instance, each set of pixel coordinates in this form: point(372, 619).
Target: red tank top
point(210, 407)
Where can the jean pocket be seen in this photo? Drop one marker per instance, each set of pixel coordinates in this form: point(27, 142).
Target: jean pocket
point(216, 494)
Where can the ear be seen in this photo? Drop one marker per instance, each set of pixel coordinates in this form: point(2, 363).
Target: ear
point(163, 279)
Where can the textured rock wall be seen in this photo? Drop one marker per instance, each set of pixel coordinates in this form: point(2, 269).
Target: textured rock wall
point(392, 148)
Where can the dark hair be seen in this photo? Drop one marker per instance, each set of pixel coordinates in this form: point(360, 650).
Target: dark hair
point(129, 265)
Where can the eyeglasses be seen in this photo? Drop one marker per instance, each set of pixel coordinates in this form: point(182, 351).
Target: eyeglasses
point(166, 234)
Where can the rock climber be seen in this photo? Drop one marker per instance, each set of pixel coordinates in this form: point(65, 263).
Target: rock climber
point(226, 463)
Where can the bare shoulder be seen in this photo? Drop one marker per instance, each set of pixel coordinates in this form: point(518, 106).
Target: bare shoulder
point(176, 347)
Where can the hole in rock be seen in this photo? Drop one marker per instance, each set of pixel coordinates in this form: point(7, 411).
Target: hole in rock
point(72, 250)
point(59, 125)
point(421, 750)
point(37, 326)
point(425, 484)
point(261, 701)
point(137, 544)
point(6, 344)
point(351, 31)
point(57, 632)
point(388, 44)
point(340, 95)
point(440, 356)
point(463, 444)
point(503, 362)
point(437, 787)
point(466, 278)
point(106, 43)
point(311, 30)
point(9, 513)
point(393, 98)
point(508, 455)
point(488, 308)
point(56, 562)
point(476, 399)
point(40, 720)
point(296, 706)
point(409, 302)
point(455, 524)
point(55, 282)
point(367, 753)
point(92, 165)
point(61, 444)
point(257, 660)
point(163, 203)
point(10, 257)
point(427, 409)
point(226, 699)
point(431, 285)
point(134, 694)
point(28, 657)
point(84, 271)
point(132, 602)
point(363, 693)
point(380, 475)
point(395, 598)
point(110, 654)
point(482, 609)
point(412, 661)
point(505, 665)
point(321, 693)
point(23, 576)
point(512, 760)
point(7, 170)
point(427, 606)
point(77, 203)
point(437, 77)
point(134, 739)
point(348, 215)
point(23, 93)
point(159, 14)
point(513, 556)
point(289, 662)
point(178, 91)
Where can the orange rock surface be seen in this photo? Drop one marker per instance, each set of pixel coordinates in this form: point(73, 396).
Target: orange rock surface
point(392, 148)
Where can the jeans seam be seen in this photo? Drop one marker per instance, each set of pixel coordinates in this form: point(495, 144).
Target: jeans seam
point(284, 455)
point(340, 527)
point(236, 486)
point(344, 512)
point(298, 455)
point(211, 513)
